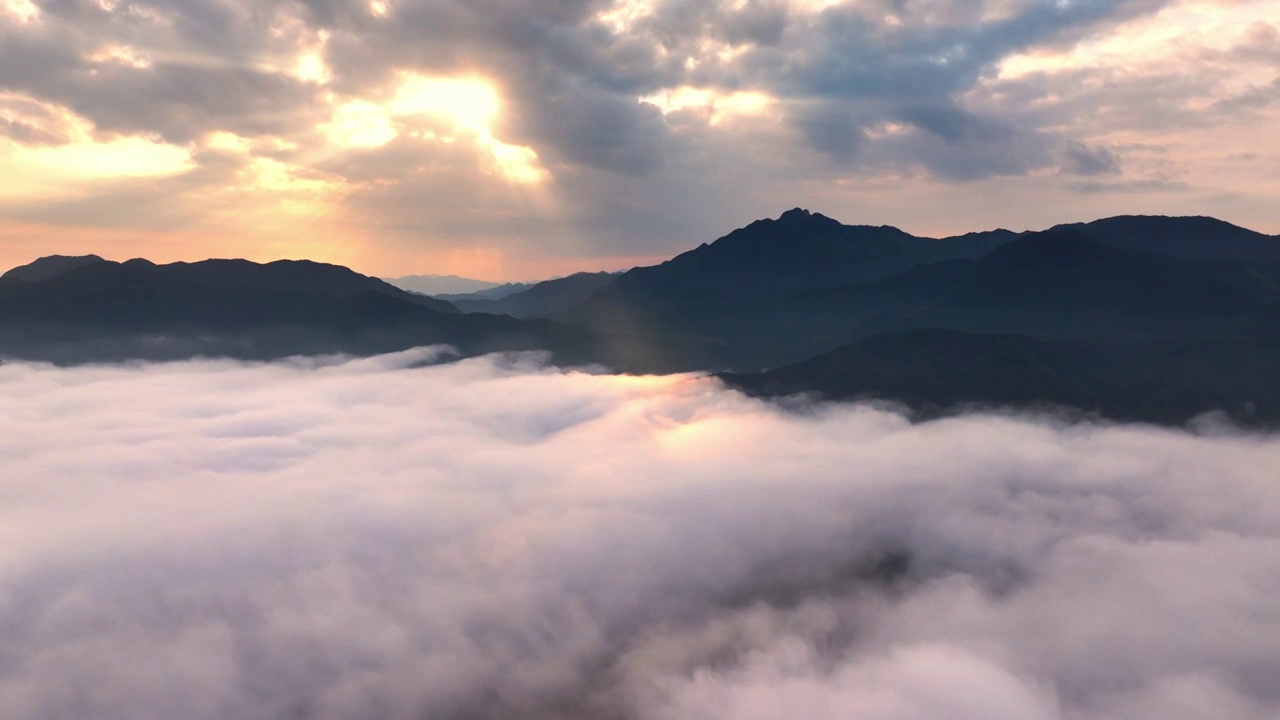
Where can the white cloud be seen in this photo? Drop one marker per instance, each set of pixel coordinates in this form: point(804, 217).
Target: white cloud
point(492, 538)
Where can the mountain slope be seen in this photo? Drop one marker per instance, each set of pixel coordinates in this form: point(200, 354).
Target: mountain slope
point(47, 267)
point(935, 371)
point(138, 310)
point(798, 251)
point(755, 293)
point(1069, 284)
point(239, 309)
point(746, 294)
point(1190, 238)
point(543, 299)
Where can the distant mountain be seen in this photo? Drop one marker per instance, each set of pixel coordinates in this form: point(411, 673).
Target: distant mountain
point(494, 293)
point(440, 284)
point(1133, 317)
point(753, 292)
point(797, 252)
point(543, 299)
point(939, 371)
point(1053, 284)
point(1190, 238)
point(1066, 284)
point(47, 267)
point(111, 311)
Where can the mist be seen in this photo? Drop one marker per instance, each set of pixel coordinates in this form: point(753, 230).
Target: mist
point(392, 538)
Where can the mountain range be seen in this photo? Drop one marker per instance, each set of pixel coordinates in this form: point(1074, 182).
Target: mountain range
point(1133, 317)
point(441, 284)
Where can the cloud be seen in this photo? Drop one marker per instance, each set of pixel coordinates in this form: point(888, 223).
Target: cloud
point(857, 107)
point(388, 538)
point(1085, 160)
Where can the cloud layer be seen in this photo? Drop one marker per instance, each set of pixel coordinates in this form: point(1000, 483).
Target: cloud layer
point(491, 538)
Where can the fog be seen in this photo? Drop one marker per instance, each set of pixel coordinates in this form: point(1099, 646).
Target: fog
point(492, 538)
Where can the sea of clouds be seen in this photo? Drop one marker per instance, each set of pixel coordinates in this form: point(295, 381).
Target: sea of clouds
point(388, 538)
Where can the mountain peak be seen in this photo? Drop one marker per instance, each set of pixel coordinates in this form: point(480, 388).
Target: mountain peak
point(795, 214)
point(49, 266)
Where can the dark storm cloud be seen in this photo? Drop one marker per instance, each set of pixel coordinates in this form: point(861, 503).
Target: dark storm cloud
point(344, 539)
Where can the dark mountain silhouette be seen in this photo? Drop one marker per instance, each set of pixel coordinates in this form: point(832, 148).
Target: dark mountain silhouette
point(287, 276)
point(938, 371)
point(47, 267)
point(1053, 284)
point(543, 299)
point(1190, 238)
point(1066, 284)
point(233, 308)
point(1124, 317)
point(1063, 270)
point(753, 292)
point(236, 308)
point(798, 251)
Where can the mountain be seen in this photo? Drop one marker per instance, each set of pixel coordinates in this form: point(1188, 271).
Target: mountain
point(754, 292)
point(47, 267)
point(798, 251)
point(137, 309)
point(745, 293)
point(940, 371)
point(1066, 284)
point(300, 276)
point(494, 293)
point(110, 311)
point(543, 299)
point(440, 284)
point(1104, 322)
point(1189, 238)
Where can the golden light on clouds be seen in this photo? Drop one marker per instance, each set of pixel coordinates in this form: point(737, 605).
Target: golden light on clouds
point(470, 103)
point(1175, 34)
point(435, 109)
point(311, 66)
point(25, 10)
point(716, 105)
point(623, 13)
point(359, 124)
point(121, 55)
point(73, 154)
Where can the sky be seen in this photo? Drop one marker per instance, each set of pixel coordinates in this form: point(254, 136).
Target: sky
point(342, 539)
point(519, 139)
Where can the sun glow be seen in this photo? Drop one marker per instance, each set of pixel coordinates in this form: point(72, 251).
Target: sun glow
point(471, 104)
point(25, 10)
point(359, 124)
point(434, 109)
